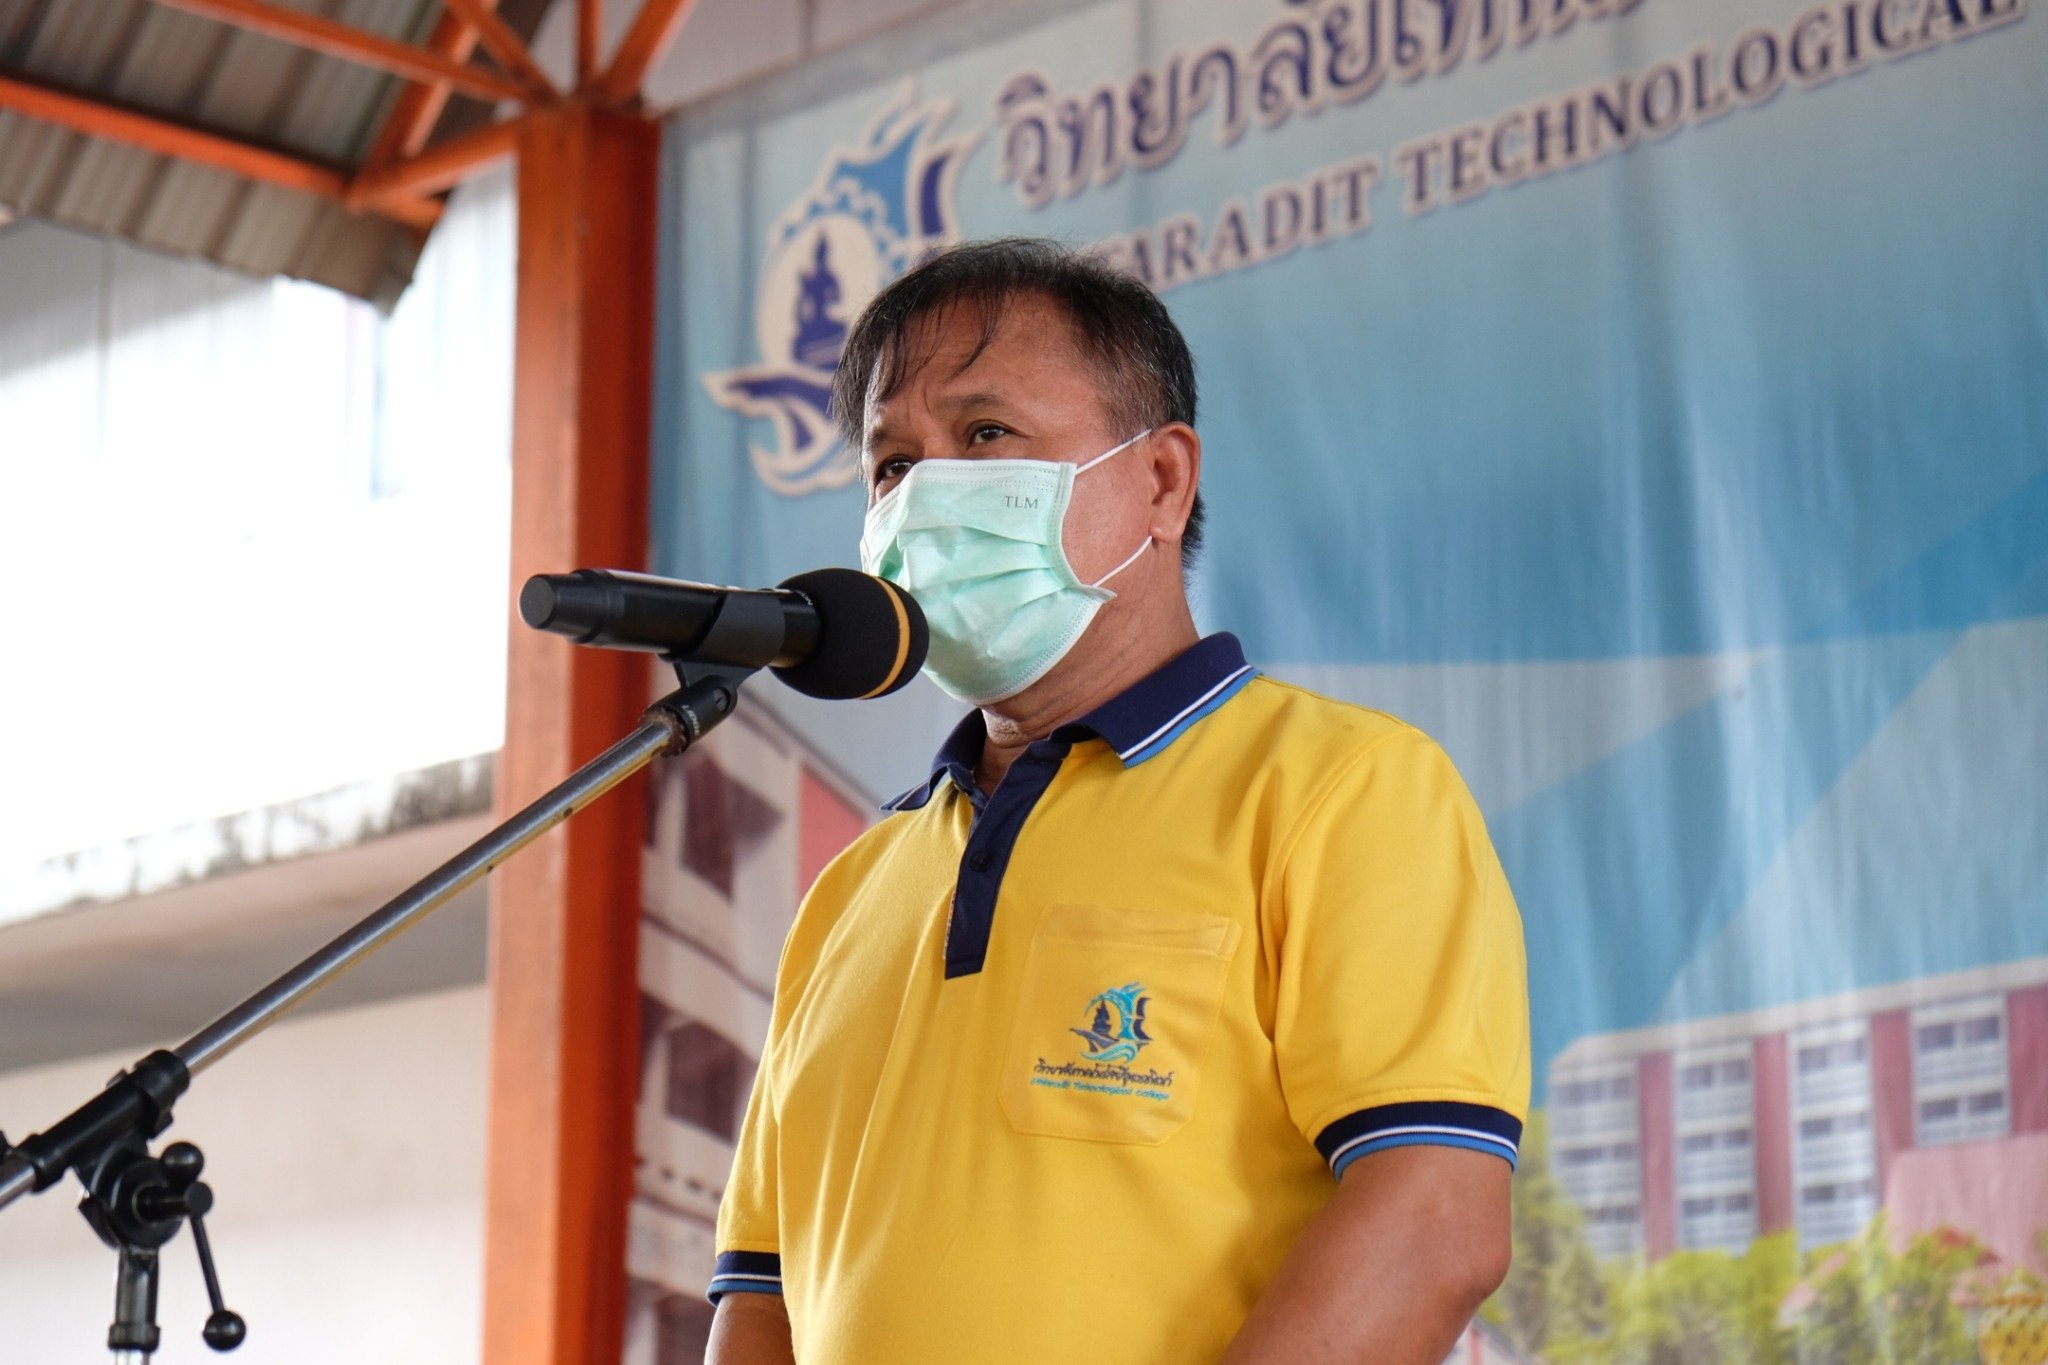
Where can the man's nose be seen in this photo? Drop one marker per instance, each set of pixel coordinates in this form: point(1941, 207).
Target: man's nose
point(940, 445)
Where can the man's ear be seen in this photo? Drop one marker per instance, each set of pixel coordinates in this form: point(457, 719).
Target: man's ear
point(1174, 458)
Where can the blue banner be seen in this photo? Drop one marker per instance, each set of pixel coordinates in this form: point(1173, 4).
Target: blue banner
point(1651, 401)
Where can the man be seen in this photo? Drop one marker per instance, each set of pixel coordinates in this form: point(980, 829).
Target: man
point(1180, 1016)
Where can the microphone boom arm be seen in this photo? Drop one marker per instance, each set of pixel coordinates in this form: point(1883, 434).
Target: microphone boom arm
point(146, 1092)
point(105, 1140)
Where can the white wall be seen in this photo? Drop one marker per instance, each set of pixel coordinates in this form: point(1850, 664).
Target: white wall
point(253, 535)
point(346, 1153)
point(253, 547)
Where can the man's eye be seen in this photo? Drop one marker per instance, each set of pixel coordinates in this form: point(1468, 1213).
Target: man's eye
point(895, 467)
point(984, 432)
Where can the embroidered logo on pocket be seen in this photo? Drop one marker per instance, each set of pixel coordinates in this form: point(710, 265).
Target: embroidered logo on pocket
point(1106, 1062)
point(1115, 1035)
point(1117, 1032)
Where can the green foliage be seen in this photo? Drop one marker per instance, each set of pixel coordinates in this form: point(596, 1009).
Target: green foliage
point(1767, 1271)
point(1869, 1306)
point(1877, 1308)
point(1703, 1308)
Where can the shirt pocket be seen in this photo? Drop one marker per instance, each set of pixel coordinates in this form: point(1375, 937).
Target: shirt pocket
point(1113, 1022)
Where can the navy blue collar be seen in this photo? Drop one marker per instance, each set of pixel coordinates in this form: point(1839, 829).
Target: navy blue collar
point(1137, 723)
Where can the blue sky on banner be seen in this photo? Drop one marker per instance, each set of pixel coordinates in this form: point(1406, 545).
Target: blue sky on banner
point(1651, 392)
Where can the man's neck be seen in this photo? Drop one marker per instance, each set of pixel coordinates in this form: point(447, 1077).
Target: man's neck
point(1108, 660)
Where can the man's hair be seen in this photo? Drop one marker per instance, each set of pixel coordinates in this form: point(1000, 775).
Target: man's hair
point(1142, 364)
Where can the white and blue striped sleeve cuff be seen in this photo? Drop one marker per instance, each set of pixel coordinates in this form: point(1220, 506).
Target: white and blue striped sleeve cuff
point(745, 1272)
point(1420, 1123)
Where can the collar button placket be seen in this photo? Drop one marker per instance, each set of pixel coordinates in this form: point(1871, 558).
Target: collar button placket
point(1136, 724)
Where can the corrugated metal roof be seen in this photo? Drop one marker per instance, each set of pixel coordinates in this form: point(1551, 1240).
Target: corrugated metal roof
point(210, 75)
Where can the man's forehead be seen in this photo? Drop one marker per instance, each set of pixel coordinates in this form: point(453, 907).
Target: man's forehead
point(962, 350)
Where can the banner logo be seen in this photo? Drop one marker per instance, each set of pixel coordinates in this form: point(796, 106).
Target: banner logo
point(876, 208)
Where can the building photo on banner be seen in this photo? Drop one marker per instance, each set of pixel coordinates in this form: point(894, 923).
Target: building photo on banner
point(1657, 396)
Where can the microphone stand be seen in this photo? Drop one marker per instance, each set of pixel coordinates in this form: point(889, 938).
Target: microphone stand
point(136, 1202)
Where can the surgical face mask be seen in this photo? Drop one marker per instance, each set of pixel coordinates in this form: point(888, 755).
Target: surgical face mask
point(978, 543)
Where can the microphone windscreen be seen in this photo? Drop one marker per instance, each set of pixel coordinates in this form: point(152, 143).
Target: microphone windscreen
point(871, 636)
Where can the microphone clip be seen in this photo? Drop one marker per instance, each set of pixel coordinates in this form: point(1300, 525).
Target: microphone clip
point(745, 636)
point(707, 694)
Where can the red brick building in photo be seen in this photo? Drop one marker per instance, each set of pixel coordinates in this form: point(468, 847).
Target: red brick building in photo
point(1713, 1132)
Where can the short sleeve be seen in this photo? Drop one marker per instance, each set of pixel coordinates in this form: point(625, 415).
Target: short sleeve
point(749, 1240)
point(1401, 1013)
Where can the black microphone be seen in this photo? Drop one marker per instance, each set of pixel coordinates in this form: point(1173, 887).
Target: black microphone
point(833, 633)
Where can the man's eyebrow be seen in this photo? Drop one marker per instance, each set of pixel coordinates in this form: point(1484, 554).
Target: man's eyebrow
point(878, 432)
point(963, 402)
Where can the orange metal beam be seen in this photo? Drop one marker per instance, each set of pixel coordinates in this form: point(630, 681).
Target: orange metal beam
point(589, 41)
point(418, 108)
point(353, 45)
point(654, 28)
point(434, 170)
point(414, 213)
point(154, 134)
point(505, 47)
point(151, 133)
point(565, 917)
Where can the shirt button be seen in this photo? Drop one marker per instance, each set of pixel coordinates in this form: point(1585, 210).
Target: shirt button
point(982, 861)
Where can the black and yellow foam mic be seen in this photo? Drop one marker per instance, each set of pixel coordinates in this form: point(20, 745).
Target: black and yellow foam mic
point(833, 633)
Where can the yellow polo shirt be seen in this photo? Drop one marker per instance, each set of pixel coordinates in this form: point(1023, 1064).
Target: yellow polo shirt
point(1061, 1073)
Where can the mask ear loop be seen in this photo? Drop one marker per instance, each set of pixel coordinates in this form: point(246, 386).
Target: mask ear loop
point(1113, 450)
point(1117, 450)
point(1125, 565)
